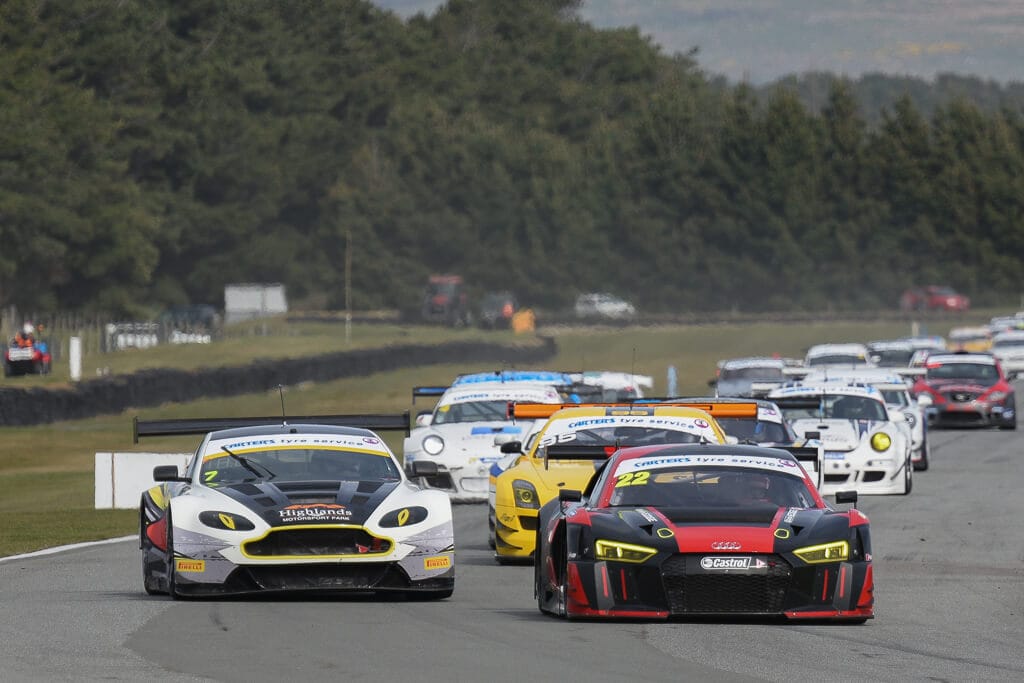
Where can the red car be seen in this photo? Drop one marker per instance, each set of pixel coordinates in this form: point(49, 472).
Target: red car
point(934, 298)
point(968, 389)
point(685, 530)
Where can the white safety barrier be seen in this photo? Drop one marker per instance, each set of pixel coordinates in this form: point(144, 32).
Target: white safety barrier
point(122, 477)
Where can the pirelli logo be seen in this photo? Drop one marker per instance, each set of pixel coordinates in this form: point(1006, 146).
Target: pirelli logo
point(441, 562)
point(190, 566)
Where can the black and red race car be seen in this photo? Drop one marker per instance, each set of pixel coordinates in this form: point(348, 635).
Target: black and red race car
point(686, 530)
point(966, 389)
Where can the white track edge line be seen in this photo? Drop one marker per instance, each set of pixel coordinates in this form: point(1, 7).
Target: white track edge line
point(64, 548)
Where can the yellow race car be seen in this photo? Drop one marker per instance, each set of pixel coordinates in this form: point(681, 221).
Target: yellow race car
point(563, 454)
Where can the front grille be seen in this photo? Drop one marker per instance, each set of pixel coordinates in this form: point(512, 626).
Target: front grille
point(318, 577)
point(691, 590)
point(962, 418)
point(316, 543)
point(960, 396)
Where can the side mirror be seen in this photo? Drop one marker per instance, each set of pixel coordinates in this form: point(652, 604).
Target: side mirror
point(843, 497)
point(424, 468)
point(924, 400)
point(424, 419)
point(569, 496)
point(502, 439)
point(512, 447)
point(167, 473)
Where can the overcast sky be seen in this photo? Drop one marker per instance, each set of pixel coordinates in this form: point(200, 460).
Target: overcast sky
point(760, 40)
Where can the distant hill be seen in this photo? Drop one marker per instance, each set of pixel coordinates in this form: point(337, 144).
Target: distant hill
point(762, 41)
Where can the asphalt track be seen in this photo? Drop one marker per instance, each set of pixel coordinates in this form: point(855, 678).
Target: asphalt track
point(949, 573)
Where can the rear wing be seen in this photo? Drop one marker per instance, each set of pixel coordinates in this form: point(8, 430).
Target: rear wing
point(204, 425)
point(578, 452)
point(542, 411)
point(797, 402)
point(910, 373)
point(762, 389)
point(796, 371)
point(433, 392)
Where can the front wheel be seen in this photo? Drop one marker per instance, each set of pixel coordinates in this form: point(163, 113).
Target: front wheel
point(908, 477)
point(922, 464)
point(171, 582)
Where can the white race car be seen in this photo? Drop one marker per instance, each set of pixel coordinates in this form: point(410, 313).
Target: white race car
point(864, 450)
point(904, 409)
point(292, 508)
point(464, 434)
point(837, 354)
point(1008, 348)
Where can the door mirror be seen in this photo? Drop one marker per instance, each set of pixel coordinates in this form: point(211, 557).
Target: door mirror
point(512, 447)
point(843, 497)
point(569, 496)
point(502, 439)
point(924, 400)
point(424, 419)
point(167, 473)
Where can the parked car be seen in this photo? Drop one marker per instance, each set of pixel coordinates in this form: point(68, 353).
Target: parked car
point(934, 298)
point(497, 309)
point(445, 301)
point(603, 305)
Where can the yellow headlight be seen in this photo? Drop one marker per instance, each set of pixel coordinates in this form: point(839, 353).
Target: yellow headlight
point(623, 552)
point(881, 441)
point(826, 552)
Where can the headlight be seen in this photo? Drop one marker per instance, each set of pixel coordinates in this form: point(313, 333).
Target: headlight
point(226, 521)
point(995, 396)
point(404, 517)
point(433, 444)
point(826, 552)
point(911, 419)
point(622, 552)
point(881, 441)
point(525, 494)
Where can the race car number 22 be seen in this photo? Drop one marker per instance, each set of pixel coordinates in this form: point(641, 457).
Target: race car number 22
point(632, 479)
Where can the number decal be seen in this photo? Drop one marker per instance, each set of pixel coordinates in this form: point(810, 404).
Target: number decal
point(556, 439)
point(210, 476)
point(633, 479)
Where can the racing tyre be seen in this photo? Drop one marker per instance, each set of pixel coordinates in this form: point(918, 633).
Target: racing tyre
point(922, 464)
point(171, 588)
point(491, 541)
point(908, 477)
point(1010, 425)
point(149, 582)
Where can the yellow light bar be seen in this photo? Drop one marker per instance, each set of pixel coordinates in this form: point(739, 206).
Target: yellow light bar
point(838, 551)
point(542, 411)
point(622, 552)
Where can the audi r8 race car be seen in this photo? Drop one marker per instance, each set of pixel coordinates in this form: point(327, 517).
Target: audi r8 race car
point(267, 507)
point(462, 438)
point(702, 530)
point(541, 470)
point(864, 449)
point(967, 389)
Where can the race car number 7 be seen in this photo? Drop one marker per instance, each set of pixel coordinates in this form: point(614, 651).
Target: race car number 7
point(632, 479)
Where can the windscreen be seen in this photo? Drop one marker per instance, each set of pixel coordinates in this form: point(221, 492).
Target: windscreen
point(892, 359)
point(840, 408)
point(972, 372)
point(895, 397)
point(756, 431)
point(717, 487)
point(296, 464)
point(837, 359)
point(471, 411)
point(1009, 344)
point(754, 373)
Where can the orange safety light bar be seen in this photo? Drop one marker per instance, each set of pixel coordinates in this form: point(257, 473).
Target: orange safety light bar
point(542, 411)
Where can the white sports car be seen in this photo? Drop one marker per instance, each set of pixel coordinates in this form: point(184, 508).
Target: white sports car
point(863, 448)
point(904, 409)
point(289, 508)
point(1008, 348)
point(464, 434)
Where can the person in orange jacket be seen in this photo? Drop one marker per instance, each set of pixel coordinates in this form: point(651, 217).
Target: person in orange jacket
point(25, 336)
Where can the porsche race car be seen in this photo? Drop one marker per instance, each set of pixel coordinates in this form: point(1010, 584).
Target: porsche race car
point(463, 436)
point(292, 507)
point(864, 448)
point(702, 530)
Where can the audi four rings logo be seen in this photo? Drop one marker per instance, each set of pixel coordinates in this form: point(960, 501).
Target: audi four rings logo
point(725, 545)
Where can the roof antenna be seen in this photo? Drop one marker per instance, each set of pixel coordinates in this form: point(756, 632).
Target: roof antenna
point(284, 415)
